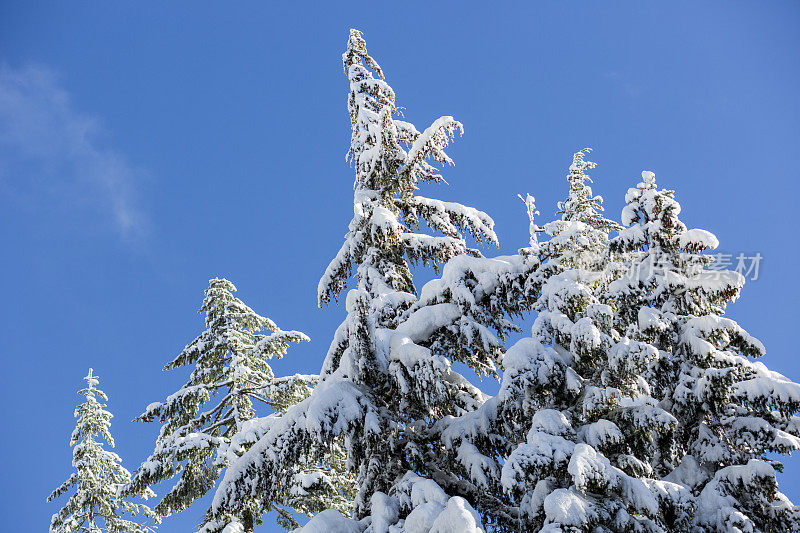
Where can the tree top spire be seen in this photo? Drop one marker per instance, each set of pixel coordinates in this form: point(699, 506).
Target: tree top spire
point(357, 51)
point(91, 380)
point(648, 180)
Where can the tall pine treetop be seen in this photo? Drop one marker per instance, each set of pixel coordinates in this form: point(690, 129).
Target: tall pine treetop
point(582, 225)
point(582, 205)
point(390, 158)
point(388, 374)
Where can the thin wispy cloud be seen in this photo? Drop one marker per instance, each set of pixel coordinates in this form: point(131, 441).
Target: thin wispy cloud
point(52, 156)
point(631, 89)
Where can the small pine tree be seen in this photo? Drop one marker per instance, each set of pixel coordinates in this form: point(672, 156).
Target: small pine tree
point(97, 504)
point(198, 438)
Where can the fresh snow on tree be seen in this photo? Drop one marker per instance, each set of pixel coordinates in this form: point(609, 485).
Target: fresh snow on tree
point(97, 504)
point(733, 415)
point(211, 420)
point(544, 444)
point(387, 377)
point(633, 405)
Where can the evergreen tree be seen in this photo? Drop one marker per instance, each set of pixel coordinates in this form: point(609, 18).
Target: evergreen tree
point(562, 442)
point(585, 461)
point(732, 412)
point(97, 504)
point(210, 420)
point(387, 378)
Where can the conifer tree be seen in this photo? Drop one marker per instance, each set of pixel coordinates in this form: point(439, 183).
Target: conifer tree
point(97, 504)
point(557, 443)
point(585, 461)
point(209, 421)
point(732, 412)
point(387, 377)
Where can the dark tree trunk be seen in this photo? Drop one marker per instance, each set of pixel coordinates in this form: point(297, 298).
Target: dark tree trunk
point(247, 522)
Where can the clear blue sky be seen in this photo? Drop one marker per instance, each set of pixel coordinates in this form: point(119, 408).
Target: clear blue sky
point(145, 148)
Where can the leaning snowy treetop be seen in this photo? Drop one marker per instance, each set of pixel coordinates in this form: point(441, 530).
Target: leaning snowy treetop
point(388, 373)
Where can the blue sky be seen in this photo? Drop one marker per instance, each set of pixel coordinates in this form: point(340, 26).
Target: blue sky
point(145, 148)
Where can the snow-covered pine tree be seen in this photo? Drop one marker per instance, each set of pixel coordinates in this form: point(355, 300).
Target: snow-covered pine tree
point(97, 504)
point(387, 377)
point(210, 420)
point(733, 413)
point(562, 440)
